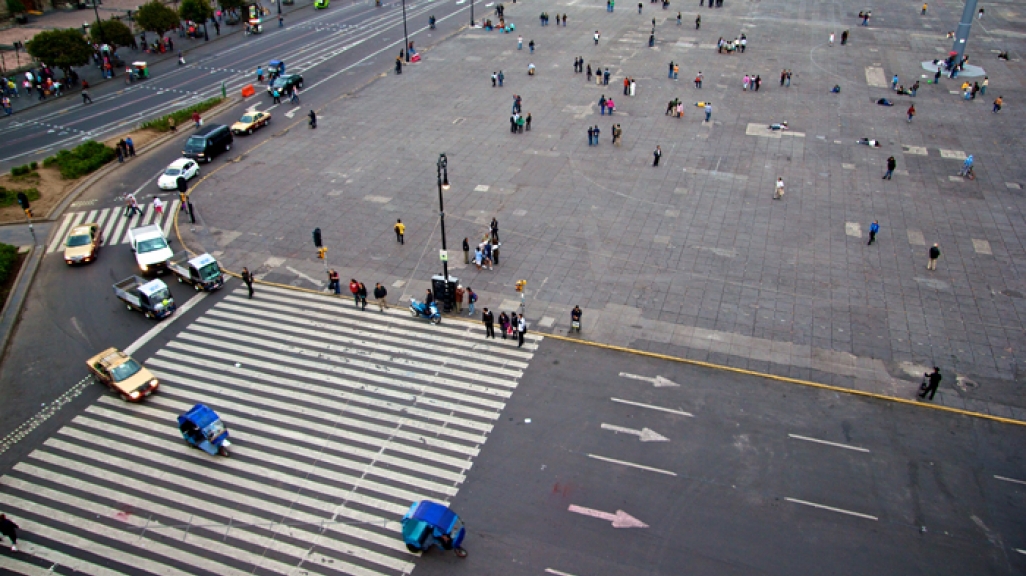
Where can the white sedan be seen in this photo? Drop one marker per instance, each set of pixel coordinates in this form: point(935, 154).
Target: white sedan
point(183, 167)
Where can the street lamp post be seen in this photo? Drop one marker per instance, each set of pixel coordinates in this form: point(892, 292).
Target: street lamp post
point(962, 33)
point(279, 7)
point(98, 26)
point(406, 35)
point(443, 184)
point(471, 13)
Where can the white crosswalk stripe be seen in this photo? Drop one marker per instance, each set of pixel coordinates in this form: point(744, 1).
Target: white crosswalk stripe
point(340, 418)
point(113, 223)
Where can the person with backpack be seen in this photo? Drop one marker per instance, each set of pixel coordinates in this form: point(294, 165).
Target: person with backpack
point(471, 299)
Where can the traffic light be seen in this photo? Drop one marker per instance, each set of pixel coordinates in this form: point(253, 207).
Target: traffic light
point(23, 201)
point(521, 284)
point(317, 237)
point(321, 252)
point(181, 184)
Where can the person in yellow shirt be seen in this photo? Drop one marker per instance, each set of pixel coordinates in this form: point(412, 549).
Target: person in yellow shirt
point(924, 9)
point(400, 230)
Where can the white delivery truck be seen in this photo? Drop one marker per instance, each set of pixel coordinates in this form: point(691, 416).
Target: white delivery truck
point(151, 248)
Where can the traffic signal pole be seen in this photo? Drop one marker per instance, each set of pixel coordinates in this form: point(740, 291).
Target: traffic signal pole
point(23, 201)
point(962, 33)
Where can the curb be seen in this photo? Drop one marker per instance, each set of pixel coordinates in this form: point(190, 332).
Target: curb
point(9, 317)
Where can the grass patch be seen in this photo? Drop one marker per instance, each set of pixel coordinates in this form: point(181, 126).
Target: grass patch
point(81, 160)
point(8, 261)
point(10, 198)
point(181, 116)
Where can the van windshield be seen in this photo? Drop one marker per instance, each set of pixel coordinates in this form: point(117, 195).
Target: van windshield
point(195, 144)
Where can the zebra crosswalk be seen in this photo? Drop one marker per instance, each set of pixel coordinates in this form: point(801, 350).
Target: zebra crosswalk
point(340, 418)
point(114, 224)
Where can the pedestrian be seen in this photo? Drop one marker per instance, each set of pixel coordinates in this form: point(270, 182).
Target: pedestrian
point(605, 77)
point(997, 104)
point(639, 7)
point(626, 85)
point(597, 132)
point(676, 71)
point(844, 38)
point(698, 22)
point(520, 42)
point(489, 321)
point(831, 39)
point(9, 529)
point(471, 300)
point(891, 165)
point(158, 206)
point(466, 251)
point(778, 193)
point(744, 83)
point(131, 205)
point(669, 70)
point(657, 155)
point(873, 229)
point(934, 253)
point(923, 13)
point(589, 72)
point(596, 37)
point(521, 329)
point(248, 279)
point(528, 121)
point(85, 97)
point(362, 293)
point(478, 258)
point(281, 21)
point(354, 289)
point(531, 46)
point(937, 75)
point(708, 111)
point(121, 155)
point(459, 298)
point(783, 76)
point(400, 231)
point(398, 64)
point(930, 383)
point(591, 135)
point(680, 18)
point(334, 283)
point(894, 82)
point(911, 112)
point(983, 87)
point(131, 147)
point(276, 95)
point(788, 82)
point(7, 105)
point(171, 124)
point(504, 324)
point(294, 96)
point(501, 78)
point(698, 80)
point(493, 228)
point(915, 89)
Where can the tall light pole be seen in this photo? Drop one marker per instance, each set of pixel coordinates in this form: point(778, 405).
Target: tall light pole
point(443, 184)
point(471, 13)
point(99, 28)
point(406, 35)
point(962, 33)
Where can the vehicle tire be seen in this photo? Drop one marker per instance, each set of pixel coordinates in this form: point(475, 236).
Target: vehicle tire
point(124, 396)
point(436, 320)
point(412, 312)
point(412, 548)
point(249, 131)
point(227, 147)
point(179, 279)
point(196, 287)
point(129, 306)
point(223, 451)
point(149, 314)
point(460, 552)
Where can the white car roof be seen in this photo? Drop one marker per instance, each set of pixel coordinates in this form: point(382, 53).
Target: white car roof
point(180, 163)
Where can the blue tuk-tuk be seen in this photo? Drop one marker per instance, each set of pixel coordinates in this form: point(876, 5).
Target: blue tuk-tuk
point(202, 428)
point(276, 68)
point(428, 524)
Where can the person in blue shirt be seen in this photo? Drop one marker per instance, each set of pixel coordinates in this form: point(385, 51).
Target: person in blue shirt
point(873, 229)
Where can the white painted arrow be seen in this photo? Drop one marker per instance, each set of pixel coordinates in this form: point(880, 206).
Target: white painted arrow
point(291, 113)
point(658, 381)
point(620, 520)
point(645, 434)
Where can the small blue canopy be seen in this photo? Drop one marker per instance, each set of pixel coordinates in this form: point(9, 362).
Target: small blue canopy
point(438, 516)
point(199, 415)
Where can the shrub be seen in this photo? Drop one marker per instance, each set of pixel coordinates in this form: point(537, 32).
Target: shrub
point(181, 116)
point(21, 170)
point(49, 161)
point(83, 159)
point(8, 261)
point(34, 165)
point(10, 197)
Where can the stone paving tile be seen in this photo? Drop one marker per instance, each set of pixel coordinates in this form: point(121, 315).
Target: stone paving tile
point(731, 277)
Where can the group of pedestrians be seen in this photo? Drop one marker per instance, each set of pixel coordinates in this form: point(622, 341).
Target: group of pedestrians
point(125, 148)
point(513, 325)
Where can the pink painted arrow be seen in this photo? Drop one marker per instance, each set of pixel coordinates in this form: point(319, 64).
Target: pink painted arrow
point(620, 520)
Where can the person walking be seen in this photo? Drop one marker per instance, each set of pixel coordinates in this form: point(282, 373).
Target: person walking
point(894, 82)
point(531, 46)
point(521, 329)
point(932, 381)
point(362, 293)
point(130, 145)
point(471, 300)
point(276, 96)
point(334, 283)
point(831, 39)
point(400, 231)
point(698, 22)
point(657, 154)
point(597, 132)
point(354, 289)
point(911, 112)
point(997, 104)
point(874, 228)
point(294, 95)
point(281, 21)
point(934, 254)
point(596, 37)
point(158, 206)
point(520, 42)
point(698, 80)
point(459, 298)
point(923, 12)
point(844, 38)
point(466, 251)
point(891, 165)
point(778, 193)
point(85, 97)
point(247, 278)
point(489, 322)
point(132, 205)
point(9, 529)
point(708, 111)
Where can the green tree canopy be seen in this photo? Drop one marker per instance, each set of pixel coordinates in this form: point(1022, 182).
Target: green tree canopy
point(60, 48)
point(15, 7)
point(156, 17)
point(231, 5)
point(111, 32)
point(198, 11)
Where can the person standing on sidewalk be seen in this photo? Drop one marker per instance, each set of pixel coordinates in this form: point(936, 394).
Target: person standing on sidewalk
point(778, 192)
point(9, 529)
point(891, 165)
point(657, 154)
point(931, 264)
point(248, 279)
point(489, 321)
point(911, 112)
point(362, 293)
point(997, 104)
point(874, 228)
point(466, 251)
point(933, 382)
point(333, 282)
point(521, 329)
point(381, 296)
point(459, 298)
point(503, 324)
point(471, 300)
point(354, 289)
point(400, 231)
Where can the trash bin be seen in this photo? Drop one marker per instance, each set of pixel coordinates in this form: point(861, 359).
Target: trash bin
point(445, 293)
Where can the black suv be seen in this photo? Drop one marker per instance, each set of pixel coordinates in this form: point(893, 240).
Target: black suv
point(207, 142)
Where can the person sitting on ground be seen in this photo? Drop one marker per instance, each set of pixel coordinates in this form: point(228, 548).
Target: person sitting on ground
point(780, 126)
point(868, 142)
point(1003, 55)
point(836, 89)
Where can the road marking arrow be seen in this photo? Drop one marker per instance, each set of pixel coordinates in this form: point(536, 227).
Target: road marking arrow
point(291, 113)
point(658, 381)
point(620, 520)
point(645, 434)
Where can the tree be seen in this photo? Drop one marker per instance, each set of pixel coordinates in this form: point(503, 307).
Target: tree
point(15, 7)
point(60, 48)
point(111, 32)
point(198, 11)
point(156, 17)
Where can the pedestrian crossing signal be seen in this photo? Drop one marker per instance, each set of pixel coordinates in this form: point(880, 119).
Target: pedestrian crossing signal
point(321, 252)
point(521, 284)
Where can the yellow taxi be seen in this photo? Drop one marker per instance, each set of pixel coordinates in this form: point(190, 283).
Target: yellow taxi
point(83, 244)
point(123, 375)
point(250, 122)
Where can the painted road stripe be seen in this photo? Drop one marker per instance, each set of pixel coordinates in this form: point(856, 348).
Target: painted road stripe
point(1009, 479)
point(102, 219)
point(115, 237)
point(557, 572)
point(651, 407)
point(152, 332)
point(11, 566)
point(169, 215)
point(832, 509)
point(58, 238)
point(1020, 551)
point(57, 559)
point(835, 444)
point(58, 241)
point(632, 465)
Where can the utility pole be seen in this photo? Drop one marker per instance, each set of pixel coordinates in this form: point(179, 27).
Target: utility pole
point(406, 48)
point(962, 33)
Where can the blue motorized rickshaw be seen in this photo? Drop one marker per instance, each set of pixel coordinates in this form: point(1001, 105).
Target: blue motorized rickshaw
point(428, 524)
point(276, 68)
point(202, 428)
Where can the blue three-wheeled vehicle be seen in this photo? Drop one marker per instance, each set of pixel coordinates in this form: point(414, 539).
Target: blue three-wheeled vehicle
point(202, 429)
point(428, 524)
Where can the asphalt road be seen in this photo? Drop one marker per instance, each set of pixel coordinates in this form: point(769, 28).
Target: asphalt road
point(70, 314)
point(733, 488)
